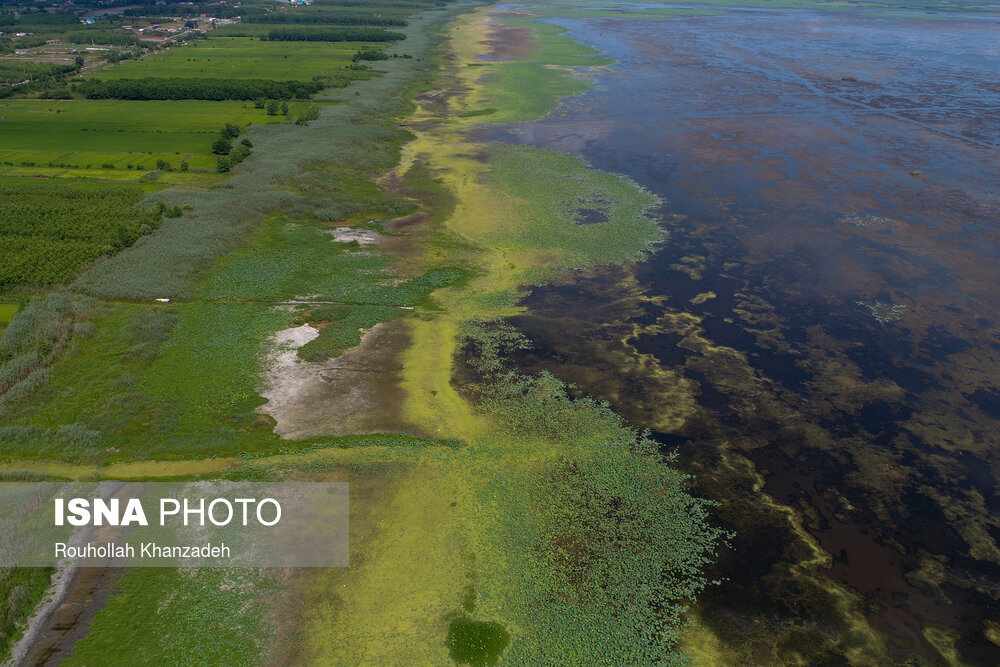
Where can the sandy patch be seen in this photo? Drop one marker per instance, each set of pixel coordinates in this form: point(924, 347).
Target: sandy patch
point(353, 235)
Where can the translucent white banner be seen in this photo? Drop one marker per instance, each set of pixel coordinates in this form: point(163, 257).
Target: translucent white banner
point(174, 524)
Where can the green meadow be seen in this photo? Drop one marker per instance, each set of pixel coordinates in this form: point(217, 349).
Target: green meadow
point(239, 58)
point(101, 138)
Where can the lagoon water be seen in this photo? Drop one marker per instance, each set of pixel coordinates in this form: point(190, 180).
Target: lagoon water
point(819, 338)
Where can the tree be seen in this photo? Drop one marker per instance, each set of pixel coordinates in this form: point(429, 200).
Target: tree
point(79, 61)
point(230, 131)
point(272, 108)
point(222, 146)
point(284, 108)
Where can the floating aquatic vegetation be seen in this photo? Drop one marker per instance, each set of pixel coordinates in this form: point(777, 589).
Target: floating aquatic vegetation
point(884, 313)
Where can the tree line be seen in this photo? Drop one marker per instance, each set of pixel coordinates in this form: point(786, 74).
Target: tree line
point(155, 88)
point(323, 18)
point(334, 35)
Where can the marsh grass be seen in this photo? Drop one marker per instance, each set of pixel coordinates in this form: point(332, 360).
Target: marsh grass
point(215, 616)
point(545, 189)
point(607, 542)
point(21, 588)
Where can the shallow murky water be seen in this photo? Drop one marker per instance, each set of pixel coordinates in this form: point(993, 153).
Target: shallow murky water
point(820, 336)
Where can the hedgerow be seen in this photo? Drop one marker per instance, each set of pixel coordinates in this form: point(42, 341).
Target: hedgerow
point(155, 88)
point(334, 35)
point(324, 18)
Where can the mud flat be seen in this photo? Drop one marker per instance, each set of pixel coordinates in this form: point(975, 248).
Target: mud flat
point(357, 392)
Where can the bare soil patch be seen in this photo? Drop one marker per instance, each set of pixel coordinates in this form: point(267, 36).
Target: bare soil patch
point(357, 392)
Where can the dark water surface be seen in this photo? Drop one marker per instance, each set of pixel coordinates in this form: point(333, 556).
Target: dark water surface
point(820, 337)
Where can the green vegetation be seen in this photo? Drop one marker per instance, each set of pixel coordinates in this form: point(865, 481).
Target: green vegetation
point(615, 545)
point(476, 643)
point(21, 588)
point(238, 58)
point(342, 15)
point(35, 339)
point(157, 88)
point(550, 192)
point(215, 616)
point(150, 382)
point(183, 380)
point(15, 71)
point(7, 313)
point(294, 34)
point(49, 231)
point(529, 87)
point(116, 140)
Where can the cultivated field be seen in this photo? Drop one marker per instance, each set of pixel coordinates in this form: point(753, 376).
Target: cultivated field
point(118, 139)
point(241, 58)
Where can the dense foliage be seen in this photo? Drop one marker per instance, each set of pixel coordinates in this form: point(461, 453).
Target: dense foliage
point(179, 9)
point(49, 230)
point(16, 71)
point(334, 35)
point(324, 18)
point(153, 88)
point(368, 53)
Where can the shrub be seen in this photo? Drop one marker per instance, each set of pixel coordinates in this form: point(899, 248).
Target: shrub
point(222, 146)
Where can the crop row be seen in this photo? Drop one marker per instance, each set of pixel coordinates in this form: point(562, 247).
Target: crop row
point(49, 230)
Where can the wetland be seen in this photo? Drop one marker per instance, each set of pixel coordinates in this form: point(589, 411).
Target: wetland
point(818, 337)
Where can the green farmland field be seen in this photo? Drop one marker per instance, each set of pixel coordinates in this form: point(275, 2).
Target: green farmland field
point(78, 133)
point(241, 58)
